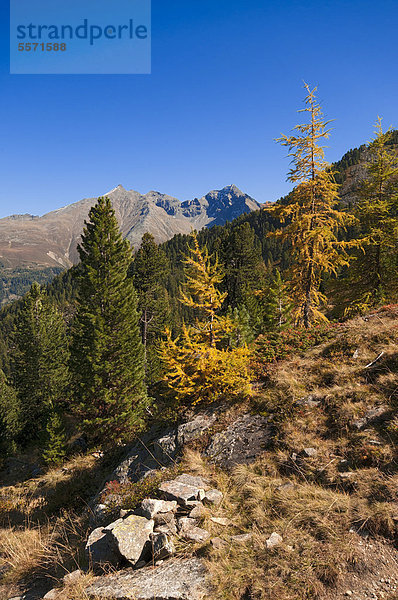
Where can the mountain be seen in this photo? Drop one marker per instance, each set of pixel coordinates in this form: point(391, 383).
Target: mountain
point(51, 240)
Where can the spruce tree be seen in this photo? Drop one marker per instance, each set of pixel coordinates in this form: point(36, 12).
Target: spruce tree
point(374, 270)
point(55, 445)
point(10, 416)
point(149, 271)
point(107, 358)
point(39, 361)
point(312, 216)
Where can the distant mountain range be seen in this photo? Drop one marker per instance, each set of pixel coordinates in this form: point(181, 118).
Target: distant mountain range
point(51, 240)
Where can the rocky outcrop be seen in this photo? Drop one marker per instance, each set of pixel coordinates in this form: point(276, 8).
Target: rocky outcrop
point(172, 580)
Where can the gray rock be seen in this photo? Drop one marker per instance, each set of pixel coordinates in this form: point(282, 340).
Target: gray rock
point(309, 452)
point(378, 413)
point(194, 481)
point(113, 525)
point(218, 543)
point(173, 580)
point(131, 535)
point(182, 493)
point(189, 531)
point(150, 507)
point(274, 540)
point(72, 577)
point(161, 546)
point(286, 487)
point(220, 521)
point(213, 497)
point(51, 595)
point(242, 442)
point(191, 430)
point(100, 549)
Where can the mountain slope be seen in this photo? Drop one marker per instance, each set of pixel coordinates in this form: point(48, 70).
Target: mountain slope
point(51, 240)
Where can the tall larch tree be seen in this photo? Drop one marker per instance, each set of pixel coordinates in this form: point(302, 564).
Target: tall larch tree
point(196, 366)
point(39, 362)
point(107, 357)
point(311, 215)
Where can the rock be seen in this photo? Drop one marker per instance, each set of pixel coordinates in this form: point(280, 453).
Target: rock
point(220, 521)
point(100, 513)
point(194, 481)
point(213, 497)
point(286, 487)
point(191, 430)
point(242, 538)
point(162, 547)
point(173, 580)
point(131, 535)
point(274, 540)
point(242, 442)
point(100, 549)
point(72, 577)
point(182, 493)
point(218, 543)
point(113, 525)
point(150, 507)
point(51, 595)
point(199, 511)
point(309, 452)
point(378, 413)
point(189, 531)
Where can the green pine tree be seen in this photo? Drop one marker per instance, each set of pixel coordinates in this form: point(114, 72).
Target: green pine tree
point(55, 445)
point(10, 417)
point(107, 359)
point(39, 361)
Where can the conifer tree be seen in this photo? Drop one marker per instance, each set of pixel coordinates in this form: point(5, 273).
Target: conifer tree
point(10, 416)
point(39, 361)
point(279, 304)
point(107, 359)
point(196, 367)
point(311, 213)
point(149, 271)
point(374, 270)
point(55, 445)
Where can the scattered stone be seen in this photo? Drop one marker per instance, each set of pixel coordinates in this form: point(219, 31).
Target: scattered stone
point(193, 480)
point(218, 543)
point(274, 540)
point(220, 521)
point(124, 513)
point(51, 595)
point(213, 497)
point(285, 487)
point(242, 538)
point(182, 493)
point(378, 413)
point(162, 547)
point(178, 580)
point(189, 531)
point(348, 593)
point(100, 549)
point(72, 577)
point(199, 511)
point(131, 536)
point(309, 452)
point(150, 508)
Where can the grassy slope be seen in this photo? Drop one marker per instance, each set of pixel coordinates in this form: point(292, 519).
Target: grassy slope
point(338, 516)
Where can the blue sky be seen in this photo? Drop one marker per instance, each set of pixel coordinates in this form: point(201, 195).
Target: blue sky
point(226, 80)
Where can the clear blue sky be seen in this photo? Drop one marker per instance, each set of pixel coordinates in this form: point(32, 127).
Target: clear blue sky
point(226, 80)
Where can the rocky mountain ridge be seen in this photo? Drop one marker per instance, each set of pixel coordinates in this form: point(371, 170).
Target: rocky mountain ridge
point(51, 240)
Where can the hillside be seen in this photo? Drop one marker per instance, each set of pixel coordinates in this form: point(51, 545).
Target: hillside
point(307, 473)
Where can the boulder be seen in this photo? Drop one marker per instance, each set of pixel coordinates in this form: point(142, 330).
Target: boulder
point(181, 492)
point(199, 511)
point(187, 432)
point(150, 508)
point(378, 413)
point(189, 531)
point(52, 595)
point(194, 481)
point(100, 549)
point(130, 537)
point(72, 577)
point(161, 546)
point(173, 580)
point(242, 442)
point(213, 497)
